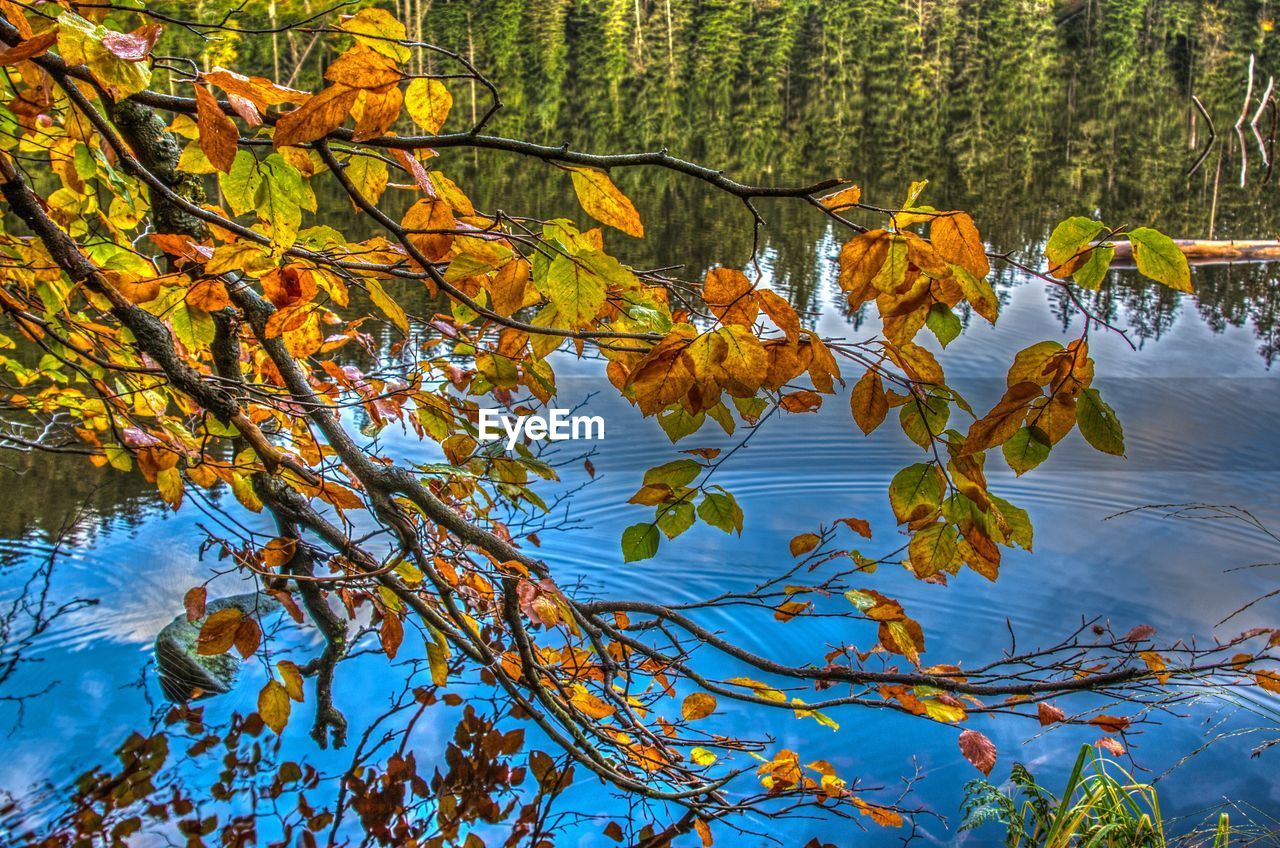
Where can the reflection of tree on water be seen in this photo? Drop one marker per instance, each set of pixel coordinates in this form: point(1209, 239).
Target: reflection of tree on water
point(1021, 111)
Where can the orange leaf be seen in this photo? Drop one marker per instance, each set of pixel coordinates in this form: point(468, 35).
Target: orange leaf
point(868, 402)
point(804, 543)
point(319, 116)
point(956, 239)
point(218, 133)
point(218, 633)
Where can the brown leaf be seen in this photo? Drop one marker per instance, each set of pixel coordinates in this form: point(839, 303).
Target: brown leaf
point(34, 46)
point(1004, 419)
point(780, 312)
point(208, 295)
point(1048, 714)
point(978, 750)
point(858, 525)
point(801, 401)
point(1141, 633)
point(860, 261)
point(842, 199)
point(194, 602)
point(218, 134)
point(430, 222)
point(361, 67)
point(218, 633)
point(1110, 723)
point(391, 633)
point(664, 376)
point(1111, 746)
point(248, 637)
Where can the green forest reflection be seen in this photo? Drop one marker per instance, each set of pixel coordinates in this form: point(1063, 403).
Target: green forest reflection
point(1022, 111)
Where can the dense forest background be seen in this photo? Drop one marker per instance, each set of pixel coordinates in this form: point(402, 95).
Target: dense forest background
point(987, 95)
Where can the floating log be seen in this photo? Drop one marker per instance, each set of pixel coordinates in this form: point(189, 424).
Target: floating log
point(1203, 252)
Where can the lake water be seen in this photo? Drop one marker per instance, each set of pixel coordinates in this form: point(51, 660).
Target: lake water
point(1198, 397)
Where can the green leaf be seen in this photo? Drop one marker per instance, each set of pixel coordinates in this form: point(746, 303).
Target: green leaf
point(1093, 272)
point(944, 323)
point(677, 423)
point(1159, 258)
point(721, 510)
point(923, 419)
point(933, 549)
point(577, 292)
point(1069, 237)
point(915, 492)
point(674, 519)
point(1026, 449)
point(1098, 423)
point(81, 43)
point(639, 541)
point(192, 327)
point(239, 186)
point(676, 474)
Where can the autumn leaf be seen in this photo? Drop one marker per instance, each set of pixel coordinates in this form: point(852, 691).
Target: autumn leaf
point(978, 750)
point(316, 118)
point(1048, 714)
point(639, 541)
point(218, 134)
point(868, 402)
point(956, 240)
point(602, 200)
point(1004, 419)
point(291, 678)
point(274, 706)
point(804, 543)
point(1067, 240)
point(218, 633)
point(576, 290)
point(428, 103)
point(1098, 423)
point(194, 602)
point(697, 706)
point(842, 199)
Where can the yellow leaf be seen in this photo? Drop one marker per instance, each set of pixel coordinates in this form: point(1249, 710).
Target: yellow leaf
point(601, 200)
point(292, 677)
point(697, 706)
point(428, 103)
point(274, 706)
point(589, 703)
point(388, 305)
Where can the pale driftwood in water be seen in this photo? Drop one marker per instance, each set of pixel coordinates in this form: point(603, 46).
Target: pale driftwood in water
point(1202, 252)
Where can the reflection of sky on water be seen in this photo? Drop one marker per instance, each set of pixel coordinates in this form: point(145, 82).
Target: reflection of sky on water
point(1199, 414)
